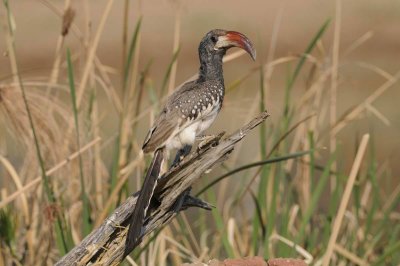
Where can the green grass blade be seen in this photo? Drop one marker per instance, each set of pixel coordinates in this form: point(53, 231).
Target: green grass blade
point(46, 183)
point(237, 82)
point(247, 166)
point(312, 160)
point(389, 251)
point(300, 64)
point(259, 214)
point(168, 72)
point(127, 69)
point(308, 50)
point(262, 191)
point(131, 51)
point(86, 226)
point(144, 247)
point(271, 211)
point(47, 187)
point(287, 133)
point(315, 199)
point(154, 99)
point(219, 222)
point(7, 227)
point(115, 165)
point(142, 82)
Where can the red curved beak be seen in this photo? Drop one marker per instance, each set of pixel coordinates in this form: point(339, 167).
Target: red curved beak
point(236, 39)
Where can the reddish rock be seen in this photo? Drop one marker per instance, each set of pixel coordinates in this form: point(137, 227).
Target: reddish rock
point(286, 262)
point(253, 261)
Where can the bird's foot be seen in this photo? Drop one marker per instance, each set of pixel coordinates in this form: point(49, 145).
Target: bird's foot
point(204, 137)
point(208, 140)
point(181, 153)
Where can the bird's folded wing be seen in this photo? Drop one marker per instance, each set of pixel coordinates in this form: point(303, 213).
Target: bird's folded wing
point(164, 128)
point(170, 120)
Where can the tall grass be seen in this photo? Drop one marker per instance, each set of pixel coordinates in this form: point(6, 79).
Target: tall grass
point(273, 197)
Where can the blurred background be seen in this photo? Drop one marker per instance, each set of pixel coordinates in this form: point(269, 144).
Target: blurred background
point(327, 72)
point(38, 27)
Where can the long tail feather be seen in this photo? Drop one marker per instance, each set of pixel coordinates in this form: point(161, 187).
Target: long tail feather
point(143, 201)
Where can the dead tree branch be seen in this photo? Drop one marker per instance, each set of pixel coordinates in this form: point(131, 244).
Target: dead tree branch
point(105, 245)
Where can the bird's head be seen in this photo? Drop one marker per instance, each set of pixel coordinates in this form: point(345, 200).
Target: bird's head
point(218, 41)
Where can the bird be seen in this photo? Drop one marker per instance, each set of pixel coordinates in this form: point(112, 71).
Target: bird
point(188, 112)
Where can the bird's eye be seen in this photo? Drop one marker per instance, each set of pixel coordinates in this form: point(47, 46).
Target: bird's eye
point(214, 38)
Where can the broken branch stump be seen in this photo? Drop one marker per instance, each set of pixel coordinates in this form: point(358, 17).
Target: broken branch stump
point(105, 245)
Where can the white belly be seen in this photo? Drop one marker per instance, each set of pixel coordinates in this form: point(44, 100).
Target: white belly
point(187, 136)
point(206, 122)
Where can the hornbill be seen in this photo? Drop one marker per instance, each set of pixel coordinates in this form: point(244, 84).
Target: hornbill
point(187, 113)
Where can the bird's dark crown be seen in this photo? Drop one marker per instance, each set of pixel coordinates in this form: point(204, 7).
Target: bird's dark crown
point(209, 41)
point(213, 47)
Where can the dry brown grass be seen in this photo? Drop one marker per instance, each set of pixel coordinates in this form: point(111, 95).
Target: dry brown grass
point(362, 207)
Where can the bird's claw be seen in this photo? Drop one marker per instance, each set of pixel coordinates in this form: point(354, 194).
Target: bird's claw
point(208, 140)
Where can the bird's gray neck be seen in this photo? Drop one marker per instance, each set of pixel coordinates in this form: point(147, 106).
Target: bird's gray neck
point(211, 67)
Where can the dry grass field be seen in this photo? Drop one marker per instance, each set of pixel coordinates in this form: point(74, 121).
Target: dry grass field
point(81, 83)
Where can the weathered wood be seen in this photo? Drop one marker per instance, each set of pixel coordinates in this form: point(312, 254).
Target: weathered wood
point(105, 245)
